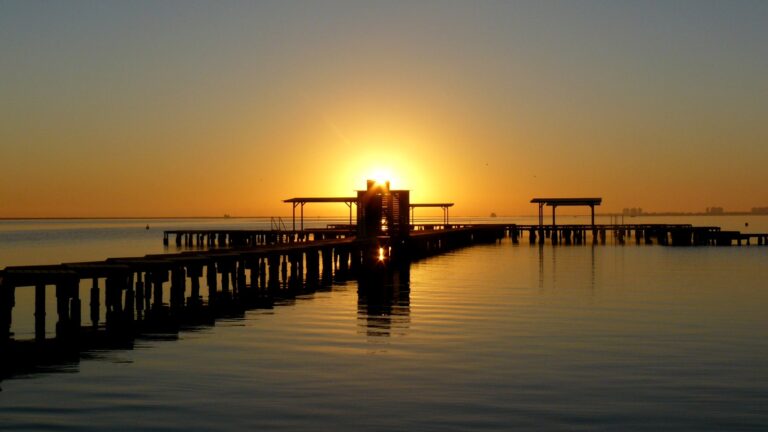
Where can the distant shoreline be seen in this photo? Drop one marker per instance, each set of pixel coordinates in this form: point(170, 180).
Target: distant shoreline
point(685, 214)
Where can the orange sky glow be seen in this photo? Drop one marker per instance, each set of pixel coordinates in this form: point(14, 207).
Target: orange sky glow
point(196, 109)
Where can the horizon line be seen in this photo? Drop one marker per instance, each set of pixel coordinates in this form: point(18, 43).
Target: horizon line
point(12, 218)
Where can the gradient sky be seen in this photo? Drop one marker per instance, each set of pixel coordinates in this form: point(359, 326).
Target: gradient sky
point(147, 108)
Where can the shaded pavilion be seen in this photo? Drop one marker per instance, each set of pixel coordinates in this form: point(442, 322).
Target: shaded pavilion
point(301, 201)
point(555, 202)
point(444, 206)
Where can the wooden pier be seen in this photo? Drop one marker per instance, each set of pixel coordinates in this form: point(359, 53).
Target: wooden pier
point(111, 302)
point(223, 272)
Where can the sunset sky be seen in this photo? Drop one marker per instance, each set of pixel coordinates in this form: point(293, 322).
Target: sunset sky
point(186, 108)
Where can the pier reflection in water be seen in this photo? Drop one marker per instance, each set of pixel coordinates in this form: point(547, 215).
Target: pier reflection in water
point(384, 301)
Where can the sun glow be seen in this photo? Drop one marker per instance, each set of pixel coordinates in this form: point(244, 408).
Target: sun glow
point(381, 176)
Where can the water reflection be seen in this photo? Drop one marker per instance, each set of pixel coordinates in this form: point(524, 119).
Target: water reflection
point(384, 300)
point(548, 262)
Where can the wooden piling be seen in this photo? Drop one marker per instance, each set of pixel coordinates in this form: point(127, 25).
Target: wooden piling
point(40, 312)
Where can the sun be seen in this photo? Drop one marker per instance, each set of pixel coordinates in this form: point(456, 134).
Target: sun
point(382, 175)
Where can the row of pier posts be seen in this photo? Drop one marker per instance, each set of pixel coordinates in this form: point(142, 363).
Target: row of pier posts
point(245, 238)
point(135, 291)
point(667, 235)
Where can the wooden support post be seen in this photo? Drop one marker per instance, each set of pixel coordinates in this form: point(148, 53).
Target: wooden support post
point(211, 275)
point(343, 260)
point(158, 277)
point(224, 269)
point(284, 268)
point(263, 273)
point(7, 301)
point(327, 257)
point(178, 287)
point(130, 298)
point(110, 300)
point(274, 270)
point(75, 305)
point(147, 291)
point(95, 303)
point(294, 260)
point(253, 267)
point(139, 294)
point(194, 272)
point(241, 280)
point(40, 312)
point(62, 310)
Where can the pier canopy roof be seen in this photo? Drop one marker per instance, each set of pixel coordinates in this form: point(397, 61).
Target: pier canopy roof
point(443, 206)
point(555, 202)
point(568, 201)
point(304, 200)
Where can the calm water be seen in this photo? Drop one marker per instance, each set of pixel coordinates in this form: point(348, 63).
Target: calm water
point(498, 337)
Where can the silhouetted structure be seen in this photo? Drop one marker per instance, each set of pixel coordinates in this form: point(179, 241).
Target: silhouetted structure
point(555, 202)
point(382, 212)
point(443, 206)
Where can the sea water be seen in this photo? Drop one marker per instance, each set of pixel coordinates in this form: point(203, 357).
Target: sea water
point(492, 337)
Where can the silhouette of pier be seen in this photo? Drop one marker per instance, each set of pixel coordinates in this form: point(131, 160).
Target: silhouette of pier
point(226, 272)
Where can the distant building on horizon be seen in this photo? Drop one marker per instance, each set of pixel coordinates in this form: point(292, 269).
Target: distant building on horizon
point(760, 210)
point(715, 210)
point(634, 211)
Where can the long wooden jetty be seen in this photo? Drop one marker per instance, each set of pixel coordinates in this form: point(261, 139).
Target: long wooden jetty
point(130, 296)
point(662, 234)
point(220, 272)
